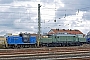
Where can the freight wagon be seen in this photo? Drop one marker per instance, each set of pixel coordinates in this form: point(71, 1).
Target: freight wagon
point(3, 42)
point(88, 37)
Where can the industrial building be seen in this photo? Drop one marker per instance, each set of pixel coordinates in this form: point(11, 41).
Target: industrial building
point(68, 31)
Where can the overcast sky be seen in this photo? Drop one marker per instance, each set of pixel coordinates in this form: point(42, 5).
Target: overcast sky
point(22, 15)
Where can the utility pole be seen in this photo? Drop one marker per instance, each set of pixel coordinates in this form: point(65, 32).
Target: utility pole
point(39, 24)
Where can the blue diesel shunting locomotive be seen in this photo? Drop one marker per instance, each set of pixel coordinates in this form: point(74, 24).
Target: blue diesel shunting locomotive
point(23, 40)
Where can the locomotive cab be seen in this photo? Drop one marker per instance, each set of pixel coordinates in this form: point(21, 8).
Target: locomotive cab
point(25, 37)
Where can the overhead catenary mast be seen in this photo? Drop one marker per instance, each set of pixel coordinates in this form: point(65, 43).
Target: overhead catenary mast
point(39, 24)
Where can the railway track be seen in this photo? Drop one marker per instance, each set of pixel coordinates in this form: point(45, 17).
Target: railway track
point(46, 56)
point(41, 50)
point(45, 53)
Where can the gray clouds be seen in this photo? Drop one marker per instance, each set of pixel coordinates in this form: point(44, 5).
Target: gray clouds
point(72, 6)
point(6, 1)
point(86, 15)
point(22, 15)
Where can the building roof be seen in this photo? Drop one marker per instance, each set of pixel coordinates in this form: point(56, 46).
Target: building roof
point(64, 35)
point(69, 31)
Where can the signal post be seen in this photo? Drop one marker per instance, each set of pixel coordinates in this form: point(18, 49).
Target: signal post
point(39, 25)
